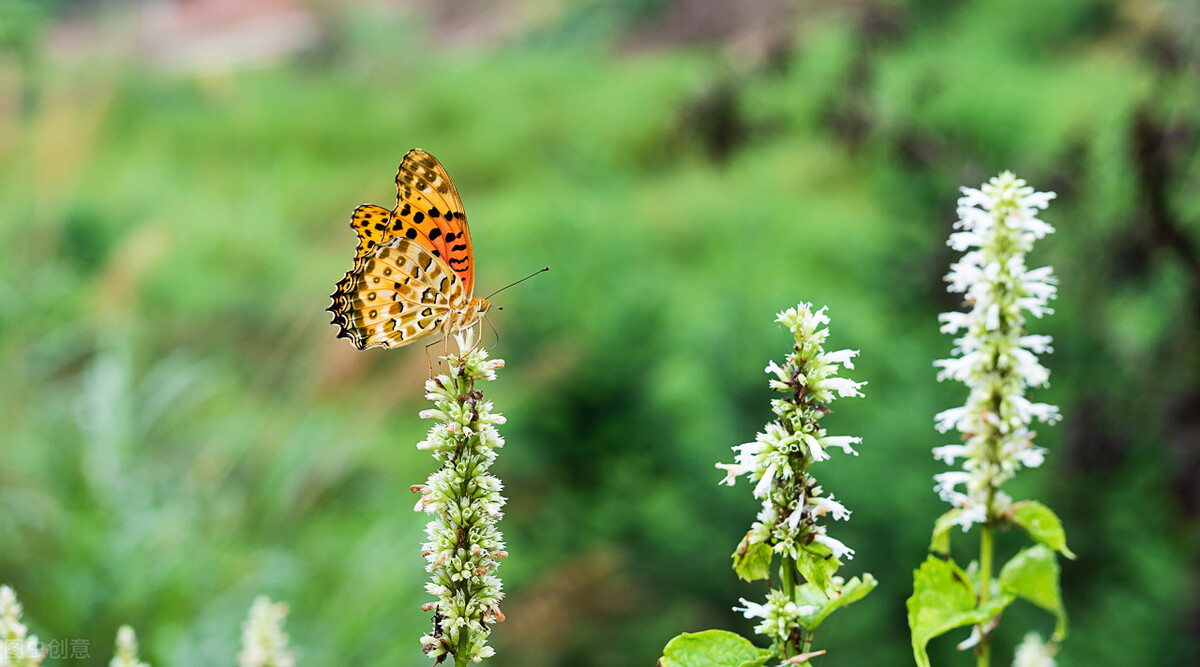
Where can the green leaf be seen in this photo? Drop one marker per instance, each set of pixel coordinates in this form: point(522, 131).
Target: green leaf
point(712, 648)
point(941, 532)
point(850, 592)
point(1042, 524)
point(758, 662)
point(1033, 575)
point(943, 599)
point(817, 565)
point(752, 562)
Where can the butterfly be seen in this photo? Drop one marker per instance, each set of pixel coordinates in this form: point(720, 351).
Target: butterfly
point(414, 269)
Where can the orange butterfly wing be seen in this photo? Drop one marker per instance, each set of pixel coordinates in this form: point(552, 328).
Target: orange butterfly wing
point(430, 212)
point(373, 225)
point(397, 294)
point(428, 229)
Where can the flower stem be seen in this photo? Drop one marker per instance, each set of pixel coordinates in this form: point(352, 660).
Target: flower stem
point(985, 586)
point(789, 575)
point(788, 570)
point(460, 656)
point(987, 535)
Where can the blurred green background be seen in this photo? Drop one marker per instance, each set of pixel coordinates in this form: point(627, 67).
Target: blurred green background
point(181, 430)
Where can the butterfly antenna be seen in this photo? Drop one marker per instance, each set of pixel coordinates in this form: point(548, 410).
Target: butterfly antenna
point(516, 283)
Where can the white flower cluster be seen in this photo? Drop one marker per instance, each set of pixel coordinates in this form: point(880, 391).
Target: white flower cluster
point(994, 357)
point(127, 649)
point(1033, 652)
point(264, 643)
point(18, 650)
point(780, 615)
point(778, 459)
point(464, 546)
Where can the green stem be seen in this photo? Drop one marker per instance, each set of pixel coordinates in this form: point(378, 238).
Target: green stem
point(987, 538)
point(985, 586)
point(986, 548)
point(788, 570)
point(789, 574)
point(460, 654)
point(462, 387)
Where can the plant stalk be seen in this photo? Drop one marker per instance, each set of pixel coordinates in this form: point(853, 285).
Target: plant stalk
point(789, 575)
point(460, 655)
point(986, 543)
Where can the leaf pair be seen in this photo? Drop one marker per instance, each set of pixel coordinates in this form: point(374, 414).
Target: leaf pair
point(1039, 521)
point(752, 562)
point(944, 595)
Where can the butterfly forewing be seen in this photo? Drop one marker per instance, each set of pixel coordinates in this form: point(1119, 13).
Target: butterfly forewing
point(373, 224)
point(429, 211)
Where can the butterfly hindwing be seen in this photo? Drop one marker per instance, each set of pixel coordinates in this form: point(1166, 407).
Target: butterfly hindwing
point(396, 294)
point(429, 210)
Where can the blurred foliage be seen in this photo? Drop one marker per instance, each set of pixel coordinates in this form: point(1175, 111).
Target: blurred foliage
point(182, 431)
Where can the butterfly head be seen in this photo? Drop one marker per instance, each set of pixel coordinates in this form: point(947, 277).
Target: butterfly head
point(470, 315)
point(479, 306)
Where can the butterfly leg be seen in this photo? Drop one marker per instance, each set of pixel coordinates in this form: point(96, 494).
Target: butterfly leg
point(428, 359)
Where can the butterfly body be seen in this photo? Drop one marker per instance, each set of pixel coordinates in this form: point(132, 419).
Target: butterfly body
point(413, 273)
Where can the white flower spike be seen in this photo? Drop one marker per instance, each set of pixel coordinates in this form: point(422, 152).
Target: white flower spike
point(778, 463)
point(994, 356)
point(464, 547)
point(18, 649)
point(264, 643)
point(127, 649)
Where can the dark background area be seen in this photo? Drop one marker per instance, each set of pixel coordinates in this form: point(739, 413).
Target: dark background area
point(181, 429)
